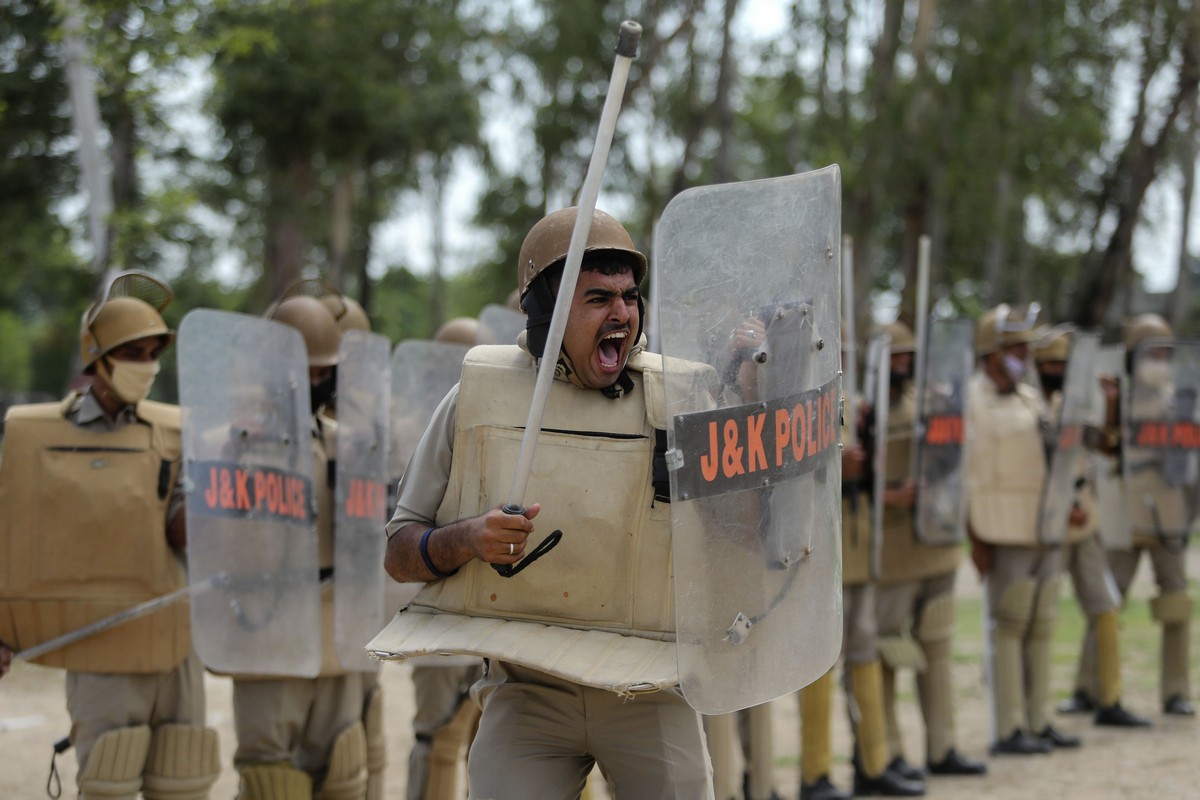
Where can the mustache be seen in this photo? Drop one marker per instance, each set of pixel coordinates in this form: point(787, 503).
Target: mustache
point(614, 327)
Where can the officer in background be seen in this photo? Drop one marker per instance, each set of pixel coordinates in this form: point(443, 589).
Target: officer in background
point(304, 737)
point(914, 598)
point(1006, 469)
point(350, 316)
point(111, 459)
point(541, 733)
point(876, 772)
point(445, 717)
point(1084, 558)
point(1172, 608)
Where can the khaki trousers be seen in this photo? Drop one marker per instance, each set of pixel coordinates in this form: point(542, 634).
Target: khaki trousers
point(294, 720)
point(99, 703)
point(540, 736)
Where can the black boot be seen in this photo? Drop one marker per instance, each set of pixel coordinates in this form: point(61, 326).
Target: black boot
point(1020, 743)
point(1078, 703)
point(1118, 717)
point(906, 770)
point(1057, 738)
point(1179, 705)
point(955, 763)
point(887, 784)
point(822, 789)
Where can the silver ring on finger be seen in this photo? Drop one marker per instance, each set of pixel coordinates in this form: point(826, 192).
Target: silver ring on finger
point(511, 549)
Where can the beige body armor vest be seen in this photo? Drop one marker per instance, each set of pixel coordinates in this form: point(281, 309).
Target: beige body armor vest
point(83, 537)
point(1006, 463)
point(599, 608)
point(904, 558)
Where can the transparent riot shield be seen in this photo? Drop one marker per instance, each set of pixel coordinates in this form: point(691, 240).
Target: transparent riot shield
point(422, 373)
point(940, 511)
point(252, 537)
point(1067, 460)
point(748, 278)
point(1162, 439)
point(876, 391)
point(499, 325)
point(360, 494)
point(1105, 468)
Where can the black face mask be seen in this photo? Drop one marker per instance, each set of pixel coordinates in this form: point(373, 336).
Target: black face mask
point(1051, 383)
point(323, 393)
point(898, 380)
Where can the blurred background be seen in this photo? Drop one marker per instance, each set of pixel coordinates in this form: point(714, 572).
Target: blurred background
point(402, 148)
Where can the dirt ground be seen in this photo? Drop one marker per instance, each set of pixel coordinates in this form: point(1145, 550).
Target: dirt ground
point(1161, 762)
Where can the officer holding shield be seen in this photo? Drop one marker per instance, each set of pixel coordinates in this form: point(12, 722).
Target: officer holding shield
point(298, 734)
point(580, 664)
point(914, 601)
point(1084, 554)
point(1006, 469)
point(445, 717)
point(111, 459)
point(1161, 501)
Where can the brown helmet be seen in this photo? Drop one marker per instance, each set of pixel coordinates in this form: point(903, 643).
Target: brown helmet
point(1145, 326)
point(1053, 344)
point(349, 315)
point(903, 340)
point(1006, 325)
point(127, 310)
point(318, 327)
point(460, 330)
point(547, 243)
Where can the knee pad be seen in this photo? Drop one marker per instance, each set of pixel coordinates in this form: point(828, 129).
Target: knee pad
point(346, 778)
point(1171, 608)
point(900, 652)
point(274, 782)
point(1015, 607)
point(937, 619)
point(115, 765)
point(1045, 608)
point(184, 763)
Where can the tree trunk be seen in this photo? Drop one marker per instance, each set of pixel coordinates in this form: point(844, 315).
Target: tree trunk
point(1133, 173)
point(1181, 298)
point(287, 237)
point(342, 224)
point(723, 103)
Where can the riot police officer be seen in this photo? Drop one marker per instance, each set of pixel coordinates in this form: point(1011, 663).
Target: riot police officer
point(1160, 520)
point(915, 595)
point(1084, 554)
point(551, 709)
point(293, 733)
point(110, 458)
point(1006, 469)
point(445, 717)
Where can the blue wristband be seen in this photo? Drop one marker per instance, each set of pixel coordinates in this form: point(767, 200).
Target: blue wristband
point(428, 562)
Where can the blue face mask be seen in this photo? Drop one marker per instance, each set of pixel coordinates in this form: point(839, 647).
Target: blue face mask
point(1015, 367)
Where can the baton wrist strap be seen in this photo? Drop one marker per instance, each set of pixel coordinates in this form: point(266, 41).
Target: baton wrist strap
point(428, 561)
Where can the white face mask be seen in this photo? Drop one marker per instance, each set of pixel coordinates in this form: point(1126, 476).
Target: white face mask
point(1015, 367)
point(132, 380)
point(1153, 373)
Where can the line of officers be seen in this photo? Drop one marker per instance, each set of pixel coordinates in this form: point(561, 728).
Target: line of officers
point(109, 462)
point(899, 601)
point(94, 522)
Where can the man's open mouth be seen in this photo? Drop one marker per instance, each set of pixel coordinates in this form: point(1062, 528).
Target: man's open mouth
point(609, 349)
